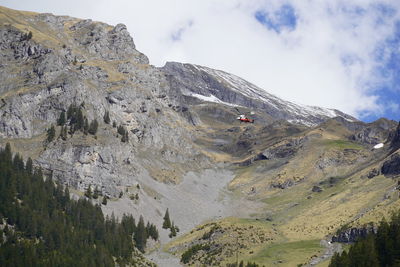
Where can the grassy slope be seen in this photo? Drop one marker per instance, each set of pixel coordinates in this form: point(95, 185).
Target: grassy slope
point(300, 218)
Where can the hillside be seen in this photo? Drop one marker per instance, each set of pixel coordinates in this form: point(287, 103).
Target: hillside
point(89, 109)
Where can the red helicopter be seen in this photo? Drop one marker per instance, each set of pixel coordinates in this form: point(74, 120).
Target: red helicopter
point(244, 118)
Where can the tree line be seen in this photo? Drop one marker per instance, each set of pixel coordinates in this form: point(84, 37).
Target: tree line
point(74, 120)
point(40, 225)
point(377, 249)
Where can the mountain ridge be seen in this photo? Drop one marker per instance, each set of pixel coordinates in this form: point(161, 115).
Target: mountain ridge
point(218, 86)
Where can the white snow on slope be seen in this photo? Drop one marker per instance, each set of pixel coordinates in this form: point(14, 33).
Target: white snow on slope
point(210, 98)
point(243, 87)
point(380, 145)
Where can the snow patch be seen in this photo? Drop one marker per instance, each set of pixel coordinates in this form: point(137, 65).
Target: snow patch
point(380, 145)
point(210, 98)
point(250, 90)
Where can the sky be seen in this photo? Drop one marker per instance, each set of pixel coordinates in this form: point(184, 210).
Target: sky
point(342, 54)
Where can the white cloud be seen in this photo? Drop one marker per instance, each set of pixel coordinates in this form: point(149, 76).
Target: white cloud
point(327, 60)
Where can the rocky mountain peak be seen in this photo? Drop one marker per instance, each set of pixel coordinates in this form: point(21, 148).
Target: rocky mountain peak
point(196, 83)
point(395, 139)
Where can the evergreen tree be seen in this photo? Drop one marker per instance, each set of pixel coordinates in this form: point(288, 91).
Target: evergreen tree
point(140, 235)
point(63, 133)
point(104, 202)
point(62, 119)
point(80, 120)
point(121, 130)
point(88, 192)
point(70, 111)
point(29, 166)
point(167, 221)
point(29, 35)
point(380, 249)
point(152, 231)
point(125, 137)
point(93, 127)
point(51, 133)
point(96, 193)
point(114, 124)
point(173, 230)
point(51, 229)
point(85, 126)
point(107, 117)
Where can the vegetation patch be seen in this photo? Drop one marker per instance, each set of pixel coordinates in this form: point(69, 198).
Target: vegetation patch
point(288, 253)
point(40, 225)
point(342, 144)
point(380, 249)
point(188, 254)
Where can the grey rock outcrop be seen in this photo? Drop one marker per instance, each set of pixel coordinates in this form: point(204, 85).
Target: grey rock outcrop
point(285, 149)
point(352, 234)
point(392, 165)
point(97, 66)
point(373, 133)
point(195, 84)
point(395, 139)
point(374, 172)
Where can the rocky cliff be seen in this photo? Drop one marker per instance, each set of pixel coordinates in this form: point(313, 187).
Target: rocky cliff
point(193, 83)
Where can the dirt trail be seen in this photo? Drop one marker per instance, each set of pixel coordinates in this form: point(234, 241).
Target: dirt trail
point(331, 248)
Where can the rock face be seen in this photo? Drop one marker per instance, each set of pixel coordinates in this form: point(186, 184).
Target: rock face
point(392, 165)
point(51, 62)
point(374, 133)
point(351, 235)
point(374, 172)
point(285, 150)
point(193, 84)
point(395, 139)
point(66, 61)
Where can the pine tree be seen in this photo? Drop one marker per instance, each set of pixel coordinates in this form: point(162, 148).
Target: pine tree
point(167, 221)
point(70, 111)
point(114, 124)
point(107, 117)
point(61, 120)
point(125, 137)
point(85, 126)
point(63, 133)
point(29, 35)
point(51, 133)
point(96, 193)
point(140, 235)
point(93, 127)
point(29, 166)
point(173, 230)
point(49, 228)
point(79, 119)
point(154, 232)
point(88, 192)
point(121, 130)
point(104, 202)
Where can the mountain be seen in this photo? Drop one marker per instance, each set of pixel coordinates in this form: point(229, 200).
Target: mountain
point(152, 139)
point(193, 82)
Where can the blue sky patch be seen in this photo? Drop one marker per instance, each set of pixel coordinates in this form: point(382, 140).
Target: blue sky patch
point(384, 12)
point(387, 56)
point(281, 19)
